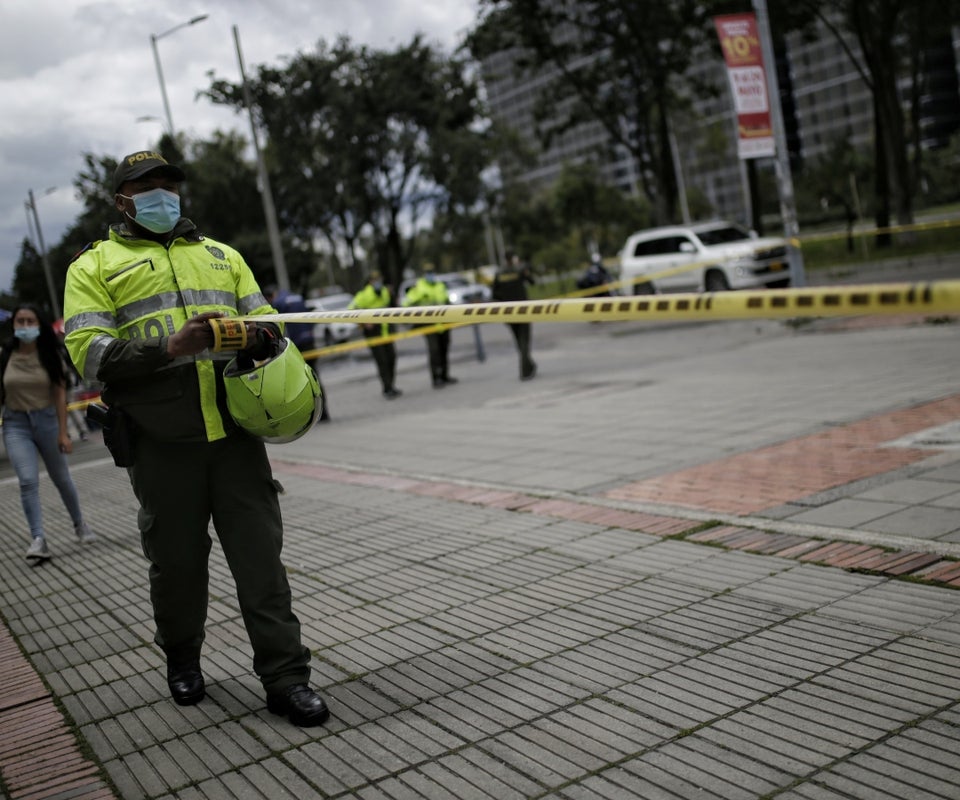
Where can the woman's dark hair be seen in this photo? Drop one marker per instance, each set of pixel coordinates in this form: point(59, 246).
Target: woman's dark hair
point(48, 346)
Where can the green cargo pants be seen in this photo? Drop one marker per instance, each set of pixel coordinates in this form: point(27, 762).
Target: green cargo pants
point(181, 487)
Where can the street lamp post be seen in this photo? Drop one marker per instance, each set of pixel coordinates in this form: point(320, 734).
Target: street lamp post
point(32, 207)
point(266, 195)
point(154, 37)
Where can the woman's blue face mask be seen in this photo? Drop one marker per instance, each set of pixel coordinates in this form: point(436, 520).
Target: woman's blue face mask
point(157, 210)
point(29, 334)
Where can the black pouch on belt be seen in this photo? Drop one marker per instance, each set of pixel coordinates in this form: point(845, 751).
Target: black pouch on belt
point(118, 432)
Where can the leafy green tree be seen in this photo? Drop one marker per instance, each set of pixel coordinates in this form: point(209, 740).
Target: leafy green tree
point(93, 189)
point(833, 185)
point(892, 36)
point(617, 62)
point(368, 142)
point(599, 215)
point(29, 281)
point(220, 194)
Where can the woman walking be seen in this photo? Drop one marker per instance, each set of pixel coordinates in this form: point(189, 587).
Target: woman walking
point(33, 393)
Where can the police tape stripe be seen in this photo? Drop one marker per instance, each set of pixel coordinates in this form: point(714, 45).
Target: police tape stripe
point(935, 297)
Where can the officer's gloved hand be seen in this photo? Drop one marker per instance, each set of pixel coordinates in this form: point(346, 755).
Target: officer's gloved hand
point(263, 343)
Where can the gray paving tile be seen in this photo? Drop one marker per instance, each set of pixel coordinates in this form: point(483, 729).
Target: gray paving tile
point(327, 766)
point(500, 778)
point(921, 522)
point(641, 778)
point(951, 500)
point(870, 773)
point(896, 605)
point(847, 513)
point(910, 491)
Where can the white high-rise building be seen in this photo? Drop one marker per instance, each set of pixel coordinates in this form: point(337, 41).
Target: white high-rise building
point(825, 100)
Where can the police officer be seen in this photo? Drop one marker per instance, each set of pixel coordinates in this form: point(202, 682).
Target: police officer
point(137, 310)
point(428, 291)
point(376, 295)
point(510, 284)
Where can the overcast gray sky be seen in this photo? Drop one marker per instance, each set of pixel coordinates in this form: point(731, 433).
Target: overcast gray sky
point(75, 75)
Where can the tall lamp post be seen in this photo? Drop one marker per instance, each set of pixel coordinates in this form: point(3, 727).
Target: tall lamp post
point(32, 208)
point(266, 195)
point(154, 37)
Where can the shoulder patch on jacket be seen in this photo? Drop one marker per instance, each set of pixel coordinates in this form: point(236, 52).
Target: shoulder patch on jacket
point(82, 250)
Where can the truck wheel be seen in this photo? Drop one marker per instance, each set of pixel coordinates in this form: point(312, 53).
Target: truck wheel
point(716, 281)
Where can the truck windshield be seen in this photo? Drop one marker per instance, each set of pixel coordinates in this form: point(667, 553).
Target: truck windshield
point(729, 233)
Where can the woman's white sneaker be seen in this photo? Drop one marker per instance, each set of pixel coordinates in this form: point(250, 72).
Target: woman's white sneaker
point(38, 550)
point(84, 534)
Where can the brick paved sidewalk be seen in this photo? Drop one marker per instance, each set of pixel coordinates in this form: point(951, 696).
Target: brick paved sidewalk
point(482, 643)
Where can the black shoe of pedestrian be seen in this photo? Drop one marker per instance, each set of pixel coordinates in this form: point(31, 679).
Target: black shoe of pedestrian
point(439, 383)
point(448, 379)
point(186, 683)
point(301, 704)
point(529, 372)
point(391, 393)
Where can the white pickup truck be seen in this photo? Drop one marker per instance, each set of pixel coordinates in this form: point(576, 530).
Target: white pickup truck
point(712, 257)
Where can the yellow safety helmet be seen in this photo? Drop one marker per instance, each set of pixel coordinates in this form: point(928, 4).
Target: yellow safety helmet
point(277, 400)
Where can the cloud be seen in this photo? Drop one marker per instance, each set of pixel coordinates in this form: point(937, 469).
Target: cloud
point(76, 76)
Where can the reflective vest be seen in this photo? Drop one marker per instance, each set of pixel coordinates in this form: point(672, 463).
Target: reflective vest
point(126, 296)
point(368, 297)
point(424, 293)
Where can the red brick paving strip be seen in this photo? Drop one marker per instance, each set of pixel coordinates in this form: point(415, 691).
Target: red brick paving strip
point(845, 555)
point(39, 755)
point(772, 476)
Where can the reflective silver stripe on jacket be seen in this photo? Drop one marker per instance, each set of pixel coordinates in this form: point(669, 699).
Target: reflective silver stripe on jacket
point(165, 301)
point(95, 352)
point(91, 319)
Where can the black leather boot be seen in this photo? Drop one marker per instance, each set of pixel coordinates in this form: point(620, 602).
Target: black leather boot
point(301, 704)
point(186, 683)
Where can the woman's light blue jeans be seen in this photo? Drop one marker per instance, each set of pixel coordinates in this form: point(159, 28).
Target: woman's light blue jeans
point(25, 435)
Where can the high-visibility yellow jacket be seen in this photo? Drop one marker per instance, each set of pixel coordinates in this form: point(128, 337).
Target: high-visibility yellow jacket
point(424, 293)
point(368, 297)
point(125, 296)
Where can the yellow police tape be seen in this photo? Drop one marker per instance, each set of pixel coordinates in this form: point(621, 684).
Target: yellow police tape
point(928, 298)
point(932, 297)
point(229, 334)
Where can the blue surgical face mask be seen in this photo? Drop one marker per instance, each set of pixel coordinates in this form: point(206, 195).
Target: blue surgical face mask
point(157, 210)
point(431, 277)
point(27, 334)
point(377, 286)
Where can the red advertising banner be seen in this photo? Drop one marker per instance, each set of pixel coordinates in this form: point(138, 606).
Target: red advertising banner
point(748, 84)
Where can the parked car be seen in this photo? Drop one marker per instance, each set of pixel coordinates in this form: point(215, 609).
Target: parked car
point(459, 289)
point(725, 255)
point(329, 333)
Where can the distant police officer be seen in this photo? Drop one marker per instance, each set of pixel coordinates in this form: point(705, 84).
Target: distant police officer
point(376, 295)
point(428, 291)
point(596, 277)
point(510, 284)
point(138, 307)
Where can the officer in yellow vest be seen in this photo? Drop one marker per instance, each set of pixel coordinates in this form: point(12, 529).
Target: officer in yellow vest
point(376, 295)
point(428, 291)
point(137, 311)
